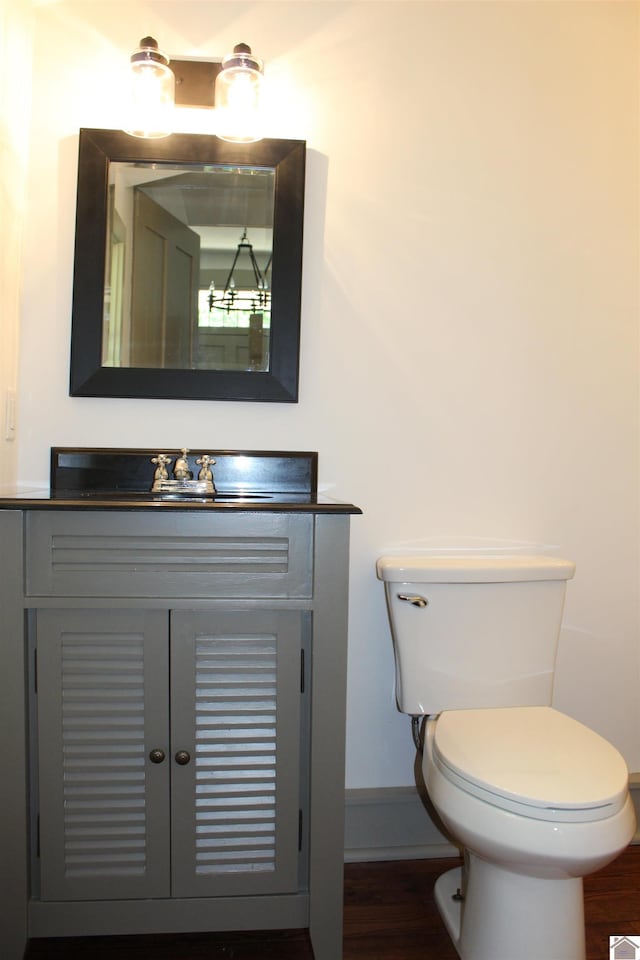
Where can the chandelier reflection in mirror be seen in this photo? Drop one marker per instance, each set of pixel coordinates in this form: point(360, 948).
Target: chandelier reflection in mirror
point(244, 302)
point(256, 298)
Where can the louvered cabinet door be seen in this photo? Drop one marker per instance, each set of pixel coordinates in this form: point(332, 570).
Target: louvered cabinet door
point(102, 705)
point(235, 780)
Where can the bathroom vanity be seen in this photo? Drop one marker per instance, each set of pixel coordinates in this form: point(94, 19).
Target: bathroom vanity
point(173, 700)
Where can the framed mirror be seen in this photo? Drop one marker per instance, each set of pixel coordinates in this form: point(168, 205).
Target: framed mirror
point(187, 269)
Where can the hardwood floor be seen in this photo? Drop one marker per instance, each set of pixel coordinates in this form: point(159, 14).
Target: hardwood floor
point(389, 915)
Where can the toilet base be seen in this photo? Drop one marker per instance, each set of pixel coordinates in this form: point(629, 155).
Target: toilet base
point(505, 914)
point(449, 907)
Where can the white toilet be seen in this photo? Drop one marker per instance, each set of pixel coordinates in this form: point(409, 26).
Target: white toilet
point(536, 799)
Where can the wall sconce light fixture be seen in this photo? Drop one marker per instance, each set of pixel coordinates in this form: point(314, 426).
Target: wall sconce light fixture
point(234, 87)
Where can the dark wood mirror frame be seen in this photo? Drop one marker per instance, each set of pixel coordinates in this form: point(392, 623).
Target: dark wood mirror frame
point(97, 149)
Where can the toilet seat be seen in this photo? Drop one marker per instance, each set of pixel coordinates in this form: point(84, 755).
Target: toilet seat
point(534, 761)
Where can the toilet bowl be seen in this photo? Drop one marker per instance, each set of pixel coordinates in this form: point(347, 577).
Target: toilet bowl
point(536, 799)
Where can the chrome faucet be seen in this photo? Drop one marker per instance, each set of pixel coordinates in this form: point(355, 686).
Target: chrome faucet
point(183, 483)
point(181, 467)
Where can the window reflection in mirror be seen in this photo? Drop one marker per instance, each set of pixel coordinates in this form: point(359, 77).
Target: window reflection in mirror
point(188, 266)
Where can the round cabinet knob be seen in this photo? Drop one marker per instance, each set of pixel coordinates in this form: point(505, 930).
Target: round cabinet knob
point(182, 757)
point(156, 756)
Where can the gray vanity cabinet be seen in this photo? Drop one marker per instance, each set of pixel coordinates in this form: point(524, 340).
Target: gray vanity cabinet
point(168, 753)
point(172, 720)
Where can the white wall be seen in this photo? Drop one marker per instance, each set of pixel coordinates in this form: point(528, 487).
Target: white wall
point(469, 367)
point(15, 99)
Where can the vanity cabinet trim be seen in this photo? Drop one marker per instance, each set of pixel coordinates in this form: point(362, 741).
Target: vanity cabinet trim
point(138, 917)
point(178, 555)
point(14, 832)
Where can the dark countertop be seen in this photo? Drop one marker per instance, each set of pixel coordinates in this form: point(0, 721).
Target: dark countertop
point(122, 500)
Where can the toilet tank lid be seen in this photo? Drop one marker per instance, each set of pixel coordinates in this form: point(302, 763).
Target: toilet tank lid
point(472, 568)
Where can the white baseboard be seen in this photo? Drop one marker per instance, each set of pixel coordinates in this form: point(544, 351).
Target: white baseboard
point(392, 823)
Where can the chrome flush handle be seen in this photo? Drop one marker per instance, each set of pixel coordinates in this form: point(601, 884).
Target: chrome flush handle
point(414, 599)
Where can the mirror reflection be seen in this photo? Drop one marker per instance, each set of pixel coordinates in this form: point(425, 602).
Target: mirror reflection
point(188, 266)
point(198, 299)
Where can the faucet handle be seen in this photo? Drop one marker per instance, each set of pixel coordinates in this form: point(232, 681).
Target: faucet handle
point(161, 461)
point(205, 462)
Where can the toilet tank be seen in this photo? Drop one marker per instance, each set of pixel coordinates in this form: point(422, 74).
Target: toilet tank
point(486, 635)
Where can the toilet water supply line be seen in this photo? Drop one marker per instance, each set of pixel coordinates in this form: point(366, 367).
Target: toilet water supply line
point(417, 601)
point(416, 720)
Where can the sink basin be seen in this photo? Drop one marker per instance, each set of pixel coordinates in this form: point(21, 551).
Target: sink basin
point(215, 496)
point(126, 496)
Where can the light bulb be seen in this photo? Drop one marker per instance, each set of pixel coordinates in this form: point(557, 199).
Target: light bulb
point(152, 91)
point(237, 96)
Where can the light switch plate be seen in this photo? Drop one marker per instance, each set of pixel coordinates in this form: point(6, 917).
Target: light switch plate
point(10, 415)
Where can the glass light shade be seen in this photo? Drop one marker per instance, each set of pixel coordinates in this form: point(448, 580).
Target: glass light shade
point(237, 97)
point(152, 92)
